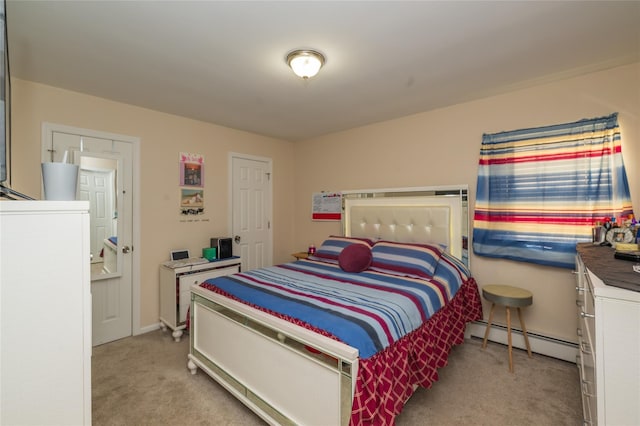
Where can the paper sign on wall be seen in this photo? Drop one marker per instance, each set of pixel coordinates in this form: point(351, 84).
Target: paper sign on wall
point(326, 206)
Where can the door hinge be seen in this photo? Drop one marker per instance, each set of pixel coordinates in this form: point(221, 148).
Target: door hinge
point(268, 175)
point(268, 224)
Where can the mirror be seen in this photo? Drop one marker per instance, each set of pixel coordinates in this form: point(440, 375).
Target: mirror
point(98, 184)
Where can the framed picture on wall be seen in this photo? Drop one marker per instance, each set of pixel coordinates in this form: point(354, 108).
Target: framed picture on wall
point(191, 201)
point(191, 170)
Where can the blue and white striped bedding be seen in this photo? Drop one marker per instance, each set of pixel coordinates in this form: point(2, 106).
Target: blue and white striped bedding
point(368, 310)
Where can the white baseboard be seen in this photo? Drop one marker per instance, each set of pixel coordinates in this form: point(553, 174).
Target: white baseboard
point(549, 346)
point(147, 329)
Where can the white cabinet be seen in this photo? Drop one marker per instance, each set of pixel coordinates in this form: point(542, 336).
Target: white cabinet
point(609, 339)
point(45, 313)
point(175, 289)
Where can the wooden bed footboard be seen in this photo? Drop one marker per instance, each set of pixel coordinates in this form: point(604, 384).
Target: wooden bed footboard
point(266, 363)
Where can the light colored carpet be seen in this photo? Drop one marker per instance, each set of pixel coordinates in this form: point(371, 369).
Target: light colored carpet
point(143, 380)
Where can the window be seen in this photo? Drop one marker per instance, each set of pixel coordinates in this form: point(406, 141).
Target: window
point(541, 190)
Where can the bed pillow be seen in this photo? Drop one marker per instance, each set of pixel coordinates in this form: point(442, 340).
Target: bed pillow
point(355, 258)
point(419, 260)
point(331, 248)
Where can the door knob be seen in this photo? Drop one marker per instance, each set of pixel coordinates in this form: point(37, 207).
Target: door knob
point(237, 239)
point(126, 249)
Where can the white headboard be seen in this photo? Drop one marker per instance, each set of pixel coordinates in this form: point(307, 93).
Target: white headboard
point(436, 216)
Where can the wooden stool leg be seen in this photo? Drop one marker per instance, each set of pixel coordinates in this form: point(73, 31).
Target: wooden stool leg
point(524, 332)
point(486, 333)
point(509, 339)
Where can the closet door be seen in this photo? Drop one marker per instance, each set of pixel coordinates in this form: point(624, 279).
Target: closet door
point(251, 210)
point(106, 181)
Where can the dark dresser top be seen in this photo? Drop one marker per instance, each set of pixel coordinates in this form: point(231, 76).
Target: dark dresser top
point(612, 271)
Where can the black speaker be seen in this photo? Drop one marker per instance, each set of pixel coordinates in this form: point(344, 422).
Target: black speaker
point(223, 246)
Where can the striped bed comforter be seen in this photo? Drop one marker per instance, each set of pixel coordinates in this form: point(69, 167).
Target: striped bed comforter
point(368, 310)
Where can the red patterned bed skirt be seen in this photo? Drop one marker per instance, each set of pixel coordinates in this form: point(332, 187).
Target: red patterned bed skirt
point(386, 380)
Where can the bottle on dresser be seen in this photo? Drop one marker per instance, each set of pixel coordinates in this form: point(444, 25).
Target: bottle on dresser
point(635, 230)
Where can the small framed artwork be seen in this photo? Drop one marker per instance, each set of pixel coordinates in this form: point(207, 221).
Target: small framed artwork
point(191, 201)
point(191, 170)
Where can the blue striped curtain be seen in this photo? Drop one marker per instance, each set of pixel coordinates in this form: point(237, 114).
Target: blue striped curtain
point(541, 190)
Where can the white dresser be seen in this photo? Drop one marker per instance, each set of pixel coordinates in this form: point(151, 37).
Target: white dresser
point(45, 313)
point(175, 289)
point(608, 336)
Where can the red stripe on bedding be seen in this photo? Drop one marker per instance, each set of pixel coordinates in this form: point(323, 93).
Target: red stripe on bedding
point(292, 320)
point(408, 295)
point(352, 308)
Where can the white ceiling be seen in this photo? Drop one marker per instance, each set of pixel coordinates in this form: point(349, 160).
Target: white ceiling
point(223, 62)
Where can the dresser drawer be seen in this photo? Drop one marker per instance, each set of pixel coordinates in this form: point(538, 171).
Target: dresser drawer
point(586, 359)
point(586, 322)
point(588, 390)
point(587, 327)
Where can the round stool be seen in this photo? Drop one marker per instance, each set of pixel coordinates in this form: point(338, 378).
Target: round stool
point(509, 297)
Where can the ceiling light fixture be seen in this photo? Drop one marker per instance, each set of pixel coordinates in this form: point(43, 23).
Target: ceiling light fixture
point(305, 63)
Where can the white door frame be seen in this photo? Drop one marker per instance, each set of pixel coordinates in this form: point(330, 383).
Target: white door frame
point(269, 161)
point(47, 135)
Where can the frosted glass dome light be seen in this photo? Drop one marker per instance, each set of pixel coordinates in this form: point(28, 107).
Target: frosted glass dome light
point(305, 63)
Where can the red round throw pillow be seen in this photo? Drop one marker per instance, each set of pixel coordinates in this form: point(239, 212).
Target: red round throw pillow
point(355, 258)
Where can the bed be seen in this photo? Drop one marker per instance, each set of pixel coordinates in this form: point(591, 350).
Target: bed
point(271, 337)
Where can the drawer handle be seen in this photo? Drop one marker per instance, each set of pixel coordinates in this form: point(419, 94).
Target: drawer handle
point(585, 390)
point(583, 314)
point(585, 348)
point(580, 289)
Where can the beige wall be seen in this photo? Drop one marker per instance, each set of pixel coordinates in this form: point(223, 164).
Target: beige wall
point(442, 147)
point(162, 136)
point(433, 148)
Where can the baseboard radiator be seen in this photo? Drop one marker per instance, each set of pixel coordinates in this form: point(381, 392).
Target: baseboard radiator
point(544, 345)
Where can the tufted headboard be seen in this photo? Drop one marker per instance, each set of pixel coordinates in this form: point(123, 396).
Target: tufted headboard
point(418, 215)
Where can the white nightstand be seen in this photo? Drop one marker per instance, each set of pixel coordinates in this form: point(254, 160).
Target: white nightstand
point(175, 289)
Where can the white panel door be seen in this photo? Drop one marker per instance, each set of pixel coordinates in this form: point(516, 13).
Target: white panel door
point(96, 186)
point(111, 291)
point(251, 211)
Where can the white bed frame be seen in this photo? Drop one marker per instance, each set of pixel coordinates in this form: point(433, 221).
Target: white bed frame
point(262, 359)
